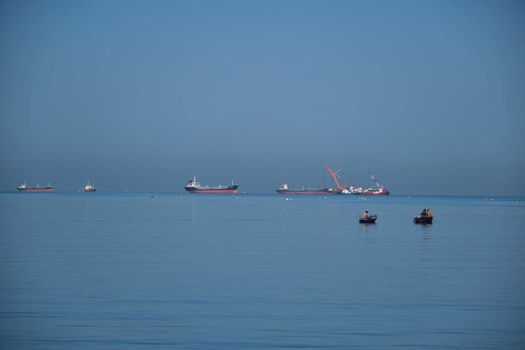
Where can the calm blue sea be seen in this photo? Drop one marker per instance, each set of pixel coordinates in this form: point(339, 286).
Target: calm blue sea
point(180, 271)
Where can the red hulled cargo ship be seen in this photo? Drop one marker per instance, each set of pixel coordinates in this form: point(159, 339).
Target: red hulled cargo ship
point(24, 188)
point(194, 186)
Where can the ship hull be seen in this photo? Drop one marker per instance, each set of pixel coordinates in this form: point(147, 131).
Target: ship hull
point(36, 190)
point(225, 191)
point(213, 190)
point(369, 220)
point(373, 193)
point(314, 192)
point(424, 220)
point(381, 192)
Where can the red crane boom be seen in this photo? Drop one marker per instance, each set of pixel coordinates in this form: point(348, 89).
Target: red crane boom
point(334, 177)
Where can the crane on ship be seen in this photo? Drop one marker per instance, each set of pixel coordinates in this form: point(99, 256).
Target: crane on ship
point(333, 174)
point(376, 189)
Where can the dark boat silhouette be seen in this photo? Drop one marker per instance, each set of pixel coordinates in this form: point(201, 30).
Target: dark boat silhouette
point(371, 219)
point(423, 219)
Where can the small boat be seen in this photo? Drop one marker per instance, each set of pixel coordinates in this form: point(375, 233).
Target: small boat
point(423, 220)
point(89, 187)
point(371, 219)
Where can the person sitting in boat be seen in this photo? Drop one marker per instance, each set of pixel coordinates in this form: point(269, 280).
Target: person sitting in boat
point(365, 215)
point(426, 213)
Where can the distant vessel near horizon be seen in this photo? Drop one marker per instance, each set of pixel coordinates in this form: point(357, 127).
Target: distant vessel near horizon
point(23, 187)
point(89, 187)
point(376, 189)
point(371, 191)
point(283, 189)
point(194, 186)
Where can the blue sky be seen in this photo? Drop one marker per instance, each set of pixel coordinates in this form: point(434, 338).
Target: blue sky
point(142, 95)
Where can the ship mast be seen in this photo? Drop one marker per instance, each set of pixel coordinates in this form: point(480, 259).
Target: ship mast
point(334, 177)
point(374, 179)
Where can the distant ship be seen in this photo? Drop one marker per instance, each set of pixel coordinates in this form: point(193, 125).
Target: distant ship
point(89, 187)
point(380, 191)
point(371, 191)
point(376, 189)
point(194, 186)
point(24, 188)
point(283, 189)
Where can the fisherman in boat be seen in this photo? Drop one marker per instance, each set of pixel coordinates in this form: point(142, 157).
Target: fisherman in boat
point(424, 218)
point(426, 213)
point(367, 218)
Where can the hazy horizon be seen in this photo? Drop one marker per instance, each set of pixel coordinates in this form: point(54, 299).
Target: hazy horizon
point(142, 96)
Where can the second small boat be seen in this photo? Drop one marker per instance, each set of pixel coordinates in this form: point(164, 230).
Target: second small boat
point(366, 218)
point(369, 220)
point(424, 218)
point(89, 187)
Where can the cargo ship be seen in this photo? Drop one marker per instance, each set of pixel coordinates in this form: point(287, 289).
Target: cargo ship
point(283, 189)
point(89, 187)
point(376, 189)
point(24, 188)
point(371, 191)
point(194, 186)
